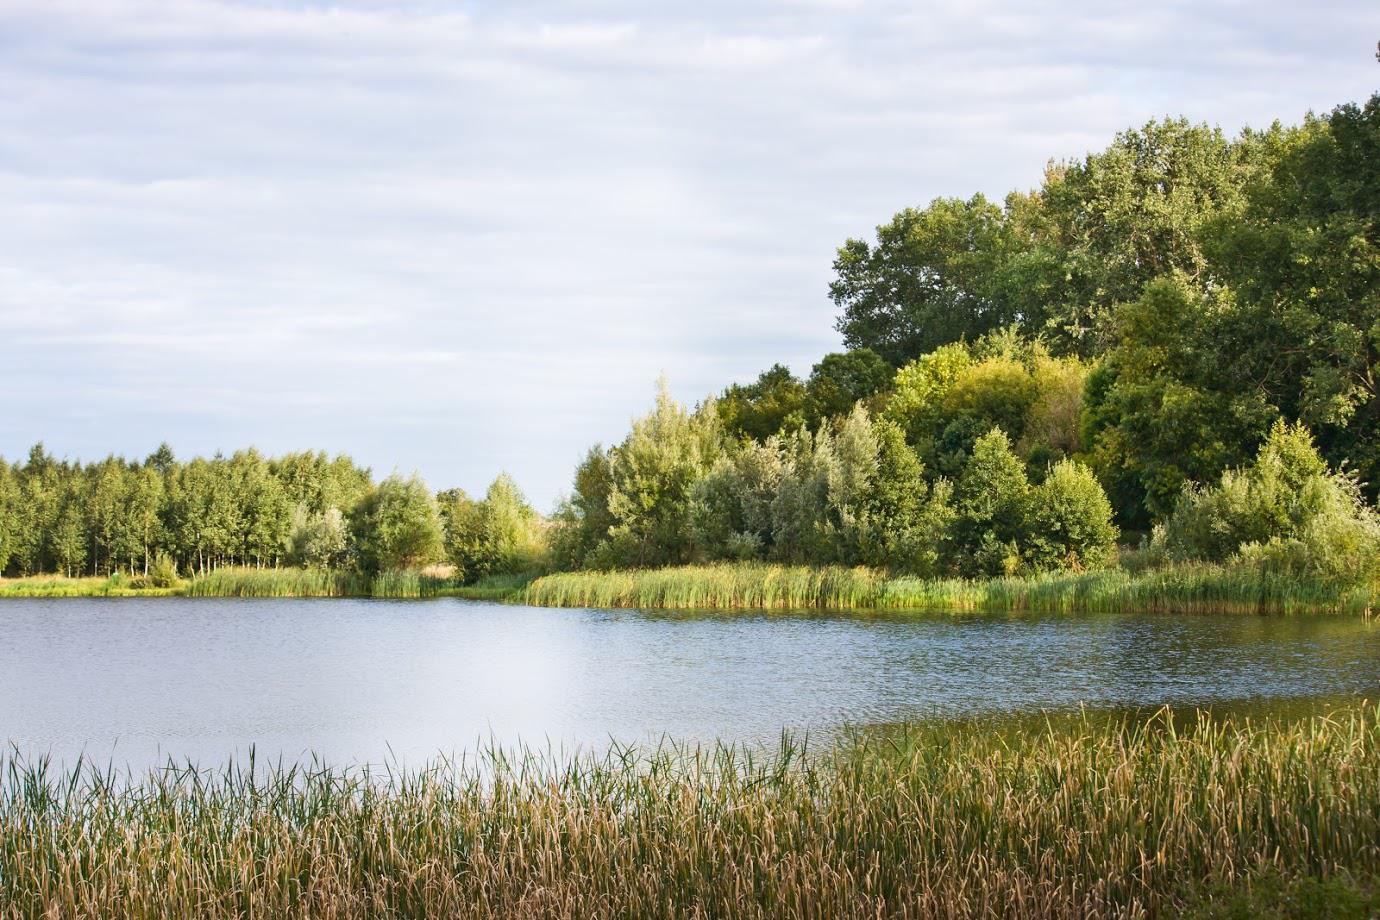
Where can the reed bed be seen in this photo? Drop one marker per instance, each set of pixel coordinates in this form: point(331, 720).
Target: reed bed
point(281, 582)
point(1076, 818)
point(59, 586)
point(1187, 589)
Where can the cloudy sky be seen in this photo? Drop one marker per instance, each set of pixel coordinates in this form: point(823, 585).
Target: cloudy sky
point(465, 237)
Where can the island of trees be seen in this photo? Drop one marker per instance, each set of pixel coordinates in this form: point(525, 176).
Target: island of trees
point(1168, 352)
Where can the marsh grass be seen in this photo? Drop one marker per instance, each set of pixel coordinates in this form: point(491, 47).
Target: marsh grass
point(283, 582)
point(1177, 589)
point(1184, 589)
point(59, 586)
point(1077, 817)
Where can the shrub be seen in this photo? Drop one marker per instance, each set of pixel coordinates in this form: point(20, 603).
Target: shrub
point(1287, 512)
point(1069, 520)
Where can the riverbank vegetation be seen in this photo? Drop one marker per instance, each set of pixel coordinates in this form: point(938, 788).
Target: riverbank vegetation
point(1077, 816)
point(1179, 589)
point(1165, 358)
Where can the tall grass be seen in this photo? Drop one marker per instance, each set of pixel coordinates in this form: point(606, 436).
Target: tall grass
point(1183, 589)
point(285, 582)
point(292, 582)
point(1087, 819)
point(59, 586)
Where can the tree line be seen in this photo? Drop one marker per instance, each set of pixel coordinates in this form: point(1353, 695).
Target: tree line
point(166, 517)
point(1174, 340)
point(1178, 336)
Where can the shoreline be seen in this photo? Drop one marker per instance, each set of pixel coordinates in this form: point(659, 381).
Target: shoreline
point(755, 586)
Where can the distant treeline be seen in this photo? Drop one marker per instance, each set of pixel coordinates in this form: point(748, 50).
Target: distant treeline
point(192, 517)
point(1178, 336)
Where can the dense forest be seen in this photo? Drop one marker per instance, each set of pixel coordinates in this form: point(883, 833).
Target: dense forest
point(1173, 343)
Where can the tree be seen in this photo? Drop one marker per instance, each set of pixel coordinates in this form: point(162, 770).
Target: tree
point(143, 512)
point(1132, 213)
point(1159, 412)
point(775, 402)
point(397, 525)
point(9, 513)
point(652, 474)
point(1286, 511)
point(991, 498)
point(1304, 261)
point(1068, 520)
point(500, 534)
point(842, 379)
point(583, 520)
point(926, 282)
point(67, 538)
point(906, 519)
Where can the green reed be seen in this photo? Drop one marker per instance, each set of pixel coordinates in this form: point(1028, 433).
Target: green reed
point(118, 585)
point(280, 582)
point(1074, 817)
point(1184, 589)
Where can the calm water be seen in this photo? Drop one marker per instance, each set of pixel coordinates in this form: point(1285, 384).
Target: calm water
point(353, 680)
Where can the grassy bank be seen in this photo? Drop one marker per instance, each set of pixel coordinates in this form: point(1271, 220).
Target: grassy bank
point(58, 586)
point(1174, 590)
point(269, 583)
point(1081, 818)
point(1183, 589)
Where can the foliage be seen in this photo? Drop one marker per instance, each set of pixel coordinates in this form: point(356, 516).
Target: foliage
point(945, 400)
point(1213, 283)
point(841, 380)
point(1068, 521)
point(1159, 413)
point(1286, 512)
point(500, 534)
point(991, 500)
point(774, 403)
point(850, 492)
point(397, 526)
point(927, 281)
point(651, 477)
point(318, 539)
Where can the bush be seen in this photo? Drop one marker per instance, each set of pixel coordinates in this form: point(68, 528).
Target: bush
point(1287, 512)
point(163, 572)
point(1069, 520)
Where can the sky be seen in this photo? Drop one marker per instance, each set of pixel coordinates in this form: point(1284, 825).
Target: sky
point(462, 238)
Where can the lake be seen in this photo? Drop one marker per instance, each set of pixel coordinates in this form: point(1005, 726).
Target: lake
point(139, 680)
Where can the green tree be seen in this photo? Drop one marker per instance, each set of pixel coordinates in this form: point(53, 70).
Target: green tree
point(1158, 411)
point(397, 525)
point(1068, 521)
point(926, 282)
point(906, 518)
point(500, 534)
point(67, 540)
point(1304, 261)
point(1285, 511)
point(773, 403)
point(652, 475)
point(583, 520)
point(990, 498)
point(318, 539)
point(1135, 212)
point(840, 380)
point(9, 513)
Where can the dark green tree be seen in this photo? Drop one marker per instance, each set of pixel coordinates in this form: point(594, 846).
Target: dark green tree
point(840, 380)
point(773, 403)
